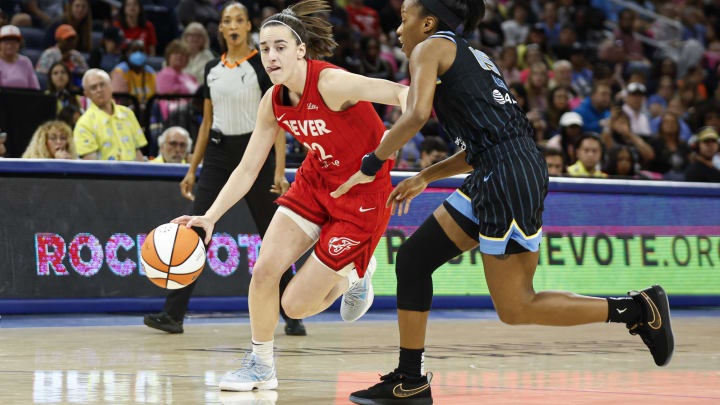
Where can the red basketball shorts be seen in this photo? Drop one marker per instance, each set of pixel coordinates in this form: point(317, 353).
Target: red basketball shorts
point(350, 227)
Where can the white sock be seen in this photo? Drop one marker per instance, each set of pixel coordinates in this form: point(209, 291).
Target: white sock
point(263, 351)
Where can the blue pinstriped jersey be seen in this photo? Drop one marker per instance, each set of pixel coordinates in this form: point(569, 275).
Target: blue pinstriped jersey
point(474, 104)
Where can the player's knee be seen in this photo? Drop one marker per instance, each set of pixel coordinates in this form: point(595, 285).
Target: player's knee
point(294, 307)
point(264, 277)
point(515, 313)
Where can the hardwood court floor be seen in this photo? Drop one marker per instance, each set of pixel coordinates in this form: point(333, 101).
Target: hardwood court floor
point(475, 359)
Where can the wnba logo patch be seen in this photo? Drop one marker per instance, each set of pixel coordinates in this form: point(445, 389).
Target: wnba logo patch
point(338, 245)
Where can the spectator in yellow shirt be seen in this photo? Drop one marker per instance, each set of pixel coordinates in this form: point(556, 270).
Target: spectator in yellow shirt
point(589, 153)
point(107, 131)
point(174, 144)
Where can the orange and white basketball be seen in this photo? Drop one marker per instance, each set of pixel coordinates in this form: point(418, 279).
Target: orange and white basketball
point(173, 256)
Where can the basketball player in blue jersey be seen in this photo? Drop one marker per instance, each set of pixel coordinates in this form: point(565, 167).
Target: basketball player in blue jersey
point(499, 206)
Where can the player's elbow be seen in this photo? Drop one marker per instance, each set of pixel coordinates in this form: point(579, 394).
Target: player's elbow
point(419, 115)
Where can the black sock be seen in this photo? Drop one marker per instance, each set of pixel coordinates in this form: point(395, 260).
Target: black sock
point(623, 309)
point(411, 361)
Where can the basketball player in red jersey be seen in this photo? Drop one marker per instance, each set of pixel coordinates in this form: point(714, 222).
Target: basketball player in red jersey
point(329, 111)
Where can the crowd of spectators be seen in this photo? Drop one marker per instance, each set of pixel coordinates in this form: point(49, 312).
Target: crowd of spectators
point(622, 88)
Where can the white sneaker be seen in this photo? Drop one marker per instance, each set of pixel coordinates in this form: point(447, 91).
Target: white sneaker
point(359, 297)
point(251, 374)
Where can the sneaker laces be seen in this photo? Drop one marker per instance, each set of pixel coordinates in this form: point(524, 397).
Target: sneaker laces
point(354, 294)
point(250, 361)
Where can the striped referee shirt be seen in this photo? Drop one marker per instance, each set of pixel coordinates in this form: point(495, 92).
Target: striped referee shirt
point(235, 90)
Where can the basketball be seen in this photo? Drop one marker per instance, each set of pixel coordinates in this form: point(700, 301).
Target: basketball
point(173, 256)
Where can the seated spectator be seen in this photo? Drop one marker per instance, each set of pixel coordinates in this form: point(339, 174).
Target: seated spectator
point(373, 65)
point(555, 161)
point(108, 53)
point(198, 40)
point(64, 51)
point(107, 131)
point(570, 131)
point(70, 115)
point(21, 20)
point(59, 85)
point(363, 19)
point(676, 107)
point(658, 102)
point(52, 140)
point(707, 147)
point(135, 27)
point(625, 35)
point(589, 154)
point(43, 11)
point(595, 108)
point(15, 70)
point(550, 23)
point(537, 87)
point(204, 12)
point(78, 15)
point(134, 76)
point(619, 132)
point(671, 153)
point(634, 107)
point(174, 144)
point(558, 104)
point(432, 150)
point(518, 91)
point(172, 79)
point(562, 77)
point(516, 30)
point(620, 161)
point(582, 77)
point(508, 65)
point(3, 138)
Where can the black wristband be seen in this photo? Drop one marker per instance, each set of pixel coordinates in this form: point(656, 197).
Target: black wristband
point(371, 164)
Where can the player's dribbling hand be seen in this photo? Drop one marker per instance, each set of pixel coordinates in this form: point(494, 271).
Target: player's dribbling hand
point(357, 178)
point(404, 192)
point(186, 186)
point(281, 185)
point(202, 222)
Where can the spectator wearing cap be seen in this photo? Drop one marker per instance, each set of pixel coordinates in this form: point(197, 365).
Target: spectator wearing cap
point(516, 30)
point(135, 27)
point(174, 144)
point(196, 36)
point(589, 153)
point(707, 147)
point(363, 19)
point(571, 124)
point(15, 70)
point(108, 53)
point(595, 108)
point(671, 153)
point(106, 131)
point(634, 107)
point(77, 14)
point(64, 50)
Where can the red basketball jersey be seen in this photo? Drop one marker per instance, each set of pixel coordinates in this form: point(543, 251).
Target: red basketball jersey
point(336, 140)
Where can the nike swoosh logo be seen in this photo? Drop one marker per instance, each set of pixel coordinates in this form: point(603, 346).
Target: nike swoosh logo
point(399, 392)
point(486, 178)
point(619, 311)
point(656, 322)
point(366, 209)
point(280, 117)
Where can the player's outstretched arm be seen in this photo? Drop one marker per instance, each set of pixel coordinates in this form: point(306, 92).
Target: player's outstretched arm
point(424, 68)
point(411, 187)
point(340, 89)
point(242, 178)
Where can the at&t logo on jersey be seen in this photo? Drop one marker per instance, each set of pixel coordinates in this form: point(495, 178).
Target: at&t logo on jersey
point(337, 245)
point(500, 99)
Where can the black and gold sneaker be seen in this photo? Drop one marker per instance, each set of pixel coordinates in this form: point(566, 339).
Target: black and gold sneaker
point(396, 388)
point(654, 325)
